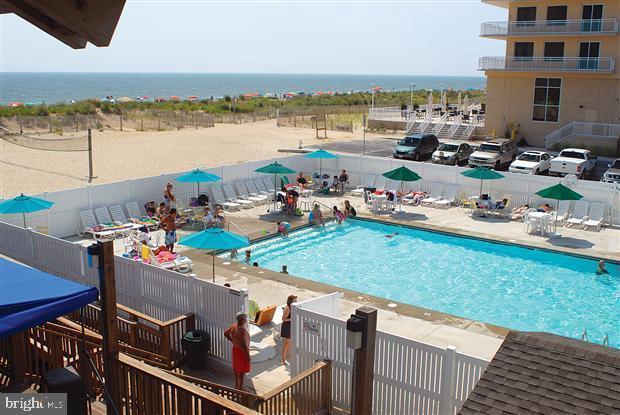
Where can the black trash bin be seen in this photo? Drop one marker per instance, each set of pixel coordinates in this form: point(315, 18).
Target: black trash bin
point(196, 344)
point(67, 380)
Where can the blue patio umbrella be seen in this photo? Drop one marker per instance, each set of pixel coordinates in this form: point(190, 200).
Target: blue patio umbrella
point(321, 154)
point(24, 204)
point(215, 239)
point(198, 176)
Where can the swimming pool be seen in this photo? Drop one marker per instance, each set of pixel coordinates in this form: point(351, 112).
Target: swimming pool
point(505, 285)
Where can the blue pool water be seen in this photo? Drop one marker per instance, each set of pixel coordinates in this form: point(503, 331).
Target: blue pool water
point(506, 285)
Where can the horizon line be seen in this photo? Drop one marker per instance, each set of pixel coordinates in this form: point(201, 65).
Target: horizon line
point(236, 73)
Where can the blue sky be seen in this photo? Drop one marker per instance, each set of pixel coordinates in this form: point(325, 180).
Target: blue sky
point(416, 37)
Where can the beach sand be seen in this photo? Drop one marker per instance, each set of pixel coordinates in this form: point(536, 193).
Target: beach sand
point(130, 154)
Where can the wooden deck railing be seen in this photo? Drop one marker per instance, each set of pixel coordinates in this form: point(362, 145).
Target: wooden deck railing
point(159, 341)
point(305, 394)
point(148, 390)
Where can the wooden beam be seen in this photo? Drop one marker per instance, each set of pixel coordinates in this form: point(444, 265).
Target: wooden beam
point(93, 20)
point(364, 364)
point(44, 23)
point(73, 22)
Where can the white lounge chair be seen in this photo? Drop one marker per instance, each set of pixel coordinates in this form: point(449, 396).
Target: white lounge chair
point(219, 198)
point(135, 215)
point(368, 181)
point(448, 198)
point(231, 196)
point(90, 226)
point(243, 193)
point(103, 217)
point(260, 185)
point(133, 210)
point(579, 215)
point(181, 264)
point(382, 183)
point(596, 217)
point(563, 211)
point(268, 184)
point(434, 196)
point(254, 190)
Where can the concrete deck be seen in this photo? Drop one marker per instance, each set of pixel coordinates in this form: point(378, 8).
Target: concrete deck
point(468, 336)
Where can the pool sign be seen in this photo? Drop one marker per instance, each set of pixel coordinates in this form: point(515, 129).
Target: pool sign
point(312, 328)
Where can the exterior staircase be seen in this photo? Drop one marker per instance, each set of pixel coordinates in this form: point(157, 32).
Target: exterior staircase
point(583, 130)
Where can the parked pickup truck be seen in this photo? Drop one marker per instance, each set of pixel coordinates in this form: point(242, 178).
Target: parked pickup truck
point(612, 175)
point(575, 161)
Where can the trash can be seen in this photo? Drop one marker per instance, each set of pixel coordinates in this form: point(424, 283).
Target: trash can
point(67, 380)
point(196, 344)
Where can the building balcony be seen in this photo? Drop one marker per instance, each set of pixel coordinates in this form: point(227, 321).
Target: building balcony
point(546, 64)
point(606, 27)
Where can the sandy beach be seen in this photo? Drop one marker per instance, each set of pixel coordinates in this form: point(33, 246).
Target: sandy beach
point(130, 154)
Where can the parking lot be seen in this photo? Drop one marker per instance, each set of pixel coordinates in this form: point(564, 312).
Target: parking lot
point(383, 147)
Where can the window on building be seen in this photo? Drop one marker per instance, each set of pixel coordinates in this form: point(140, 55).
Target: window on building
point(556, 15)
point(547, 99)
point(592, 15)
point(524, 51)
point(554, 51)
point(588, 55)
point(526, 16)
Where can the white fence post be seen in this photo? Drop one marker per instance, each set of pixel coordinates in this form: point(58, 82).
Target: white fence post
point(448, 378)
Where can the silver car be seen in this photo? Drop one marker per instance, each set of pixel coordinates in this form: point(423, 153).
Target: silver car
point(452, 153)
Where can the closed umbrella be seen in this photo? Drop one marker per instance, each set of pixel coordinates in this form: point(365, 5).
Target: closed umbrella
point(482, 173)
point(215, 239)
point(444, 101)
point(198, 176)
point(466, 104)
point(404, 175)
point(275, 168)
point(24, 204)
point(321, 154)
point(430, 104)
point(459, 101)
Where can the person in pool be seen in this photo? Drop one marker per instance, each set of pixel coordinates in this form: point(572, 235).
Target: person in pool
point(317, 216)
point(283, 228)
point(338, 215)
point(349, 211)
point(602, 268)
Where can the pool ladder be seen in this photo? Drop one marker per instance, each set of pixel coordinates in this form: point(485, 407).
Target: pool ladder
point(584, 338)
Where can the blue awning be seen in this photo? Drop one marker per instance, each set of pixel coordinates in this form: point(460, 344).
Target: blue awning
point(29, 297)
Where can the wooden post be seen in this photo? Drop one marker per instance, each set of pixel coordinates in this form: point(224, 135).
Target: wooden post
point(90, 156)
point(18, 348)
point(364, 364)
point(120, 117)
point(107, 291)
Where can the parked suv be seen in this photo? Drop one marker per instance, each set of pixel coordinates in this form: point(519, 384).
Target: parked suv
point(416, 147)
point(494, 154)
point(452, 153)
point(612, 175)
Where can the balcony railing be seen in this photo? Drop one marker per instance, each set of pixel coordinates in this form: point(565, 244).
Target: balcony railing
point(547, 64)
point(550, 27)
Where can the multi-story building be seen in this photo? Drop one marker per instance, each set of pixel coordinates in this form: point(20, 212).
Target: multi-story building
point(559, 82)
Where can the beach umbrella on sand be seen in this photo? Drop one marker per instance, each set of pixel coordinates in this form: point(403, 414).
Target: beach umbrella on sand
point(198, 176)
point(275, 168)
point(482, 173)
point(24, 204)
point(402, 174)
point(321, 154)
point(215, 239)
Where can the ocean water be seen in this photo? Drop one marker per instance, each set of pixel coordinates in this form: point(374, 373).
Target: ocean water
point(62, 87)
point(506, 285)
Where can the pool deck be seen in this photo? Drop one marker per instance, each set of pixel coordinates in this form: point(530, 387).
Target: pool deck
point(468, 336)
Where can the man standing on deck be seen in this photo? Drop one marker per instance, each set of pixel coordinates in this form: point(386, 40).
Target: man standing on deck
point(239, 336)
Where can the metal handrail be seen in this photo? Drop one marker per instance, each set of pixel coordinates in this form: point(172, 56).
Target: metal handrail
point(441, 123)
point(548, 27)
point(238, 228)
point(455, 126)
point(546, 63)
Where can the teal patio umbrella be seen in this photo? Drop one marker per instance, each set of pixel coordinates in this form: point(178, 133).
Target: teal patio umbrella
point(274, 168)
point(482, 173)
point(402, 174)
point(215, 239)
point(321, 154)
point(24, 204)
point(198, 176)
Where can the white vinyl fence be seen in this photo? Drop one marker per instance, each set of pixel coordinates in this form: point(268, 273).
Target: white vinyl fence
point(410, 377)
point(63, 219)
point(153, 291)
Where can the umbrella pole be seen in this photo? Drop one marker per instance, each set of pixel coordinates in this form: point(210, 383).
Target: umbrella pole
point(480, 194)
point(198, 189)
point(24, 216)
point(213, 254)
